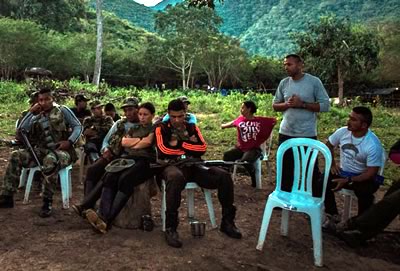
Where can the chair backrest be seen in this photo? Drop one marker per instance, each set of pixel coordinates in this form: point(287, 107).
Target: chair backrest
point(305, 153)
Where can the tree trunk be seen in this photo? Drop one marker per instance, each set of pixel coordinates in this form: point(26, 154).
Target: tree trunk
point(340, 85)
point(99, 46)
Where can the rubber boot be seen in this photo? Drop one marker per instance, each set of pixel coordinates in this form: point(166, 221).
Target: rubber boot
point(46, 209)
point(6, 201)
point(89, 200)
point(228, 225)
point(171, 235)
point(118, 204)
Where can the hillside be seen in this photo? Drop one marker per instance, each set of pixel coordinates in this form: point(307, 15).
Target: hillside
point(137, 14)
point(163, 4)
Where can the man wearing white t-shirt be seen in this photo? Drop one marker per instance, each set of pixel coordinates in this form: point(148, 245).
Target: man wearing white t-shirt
point(360, 159)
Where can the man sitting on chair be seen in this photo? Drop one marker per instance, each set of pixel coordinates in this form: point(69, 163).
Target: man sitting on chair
point(360, 159)
point(252, 131)
point(180, 146)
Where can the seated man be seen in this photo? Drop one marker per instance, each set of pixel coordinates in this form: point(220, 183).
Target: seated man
point(109, 110)
point(80, 110)
point(189, 117)
point(49, 126)
point(180, 146)
point(95, 129)
point(360, 159)
point(95, 172)
point(252, 131)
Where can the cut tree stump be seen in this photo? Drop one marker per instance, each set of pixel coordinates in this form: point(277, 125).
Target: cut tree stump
point(139, 204)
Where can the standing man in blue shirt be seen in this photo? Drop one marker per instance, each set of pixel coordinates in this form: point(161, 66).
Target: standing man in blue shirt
point(300, 96)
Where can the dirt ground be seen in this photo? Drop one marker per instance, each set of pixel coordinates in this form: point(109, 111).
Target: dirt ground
point(67, 242)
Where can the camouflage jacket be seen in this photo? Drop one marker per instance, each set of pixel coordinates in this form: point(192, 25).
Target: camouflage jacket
point(99, 124)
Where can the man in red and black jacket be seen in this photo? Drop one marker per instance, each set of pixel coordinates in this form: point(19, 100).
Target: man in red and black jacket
point(180, 143)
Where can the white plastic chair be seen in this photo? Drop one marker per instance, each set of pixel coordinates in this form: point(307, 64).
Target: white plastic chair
point(300, 199)
point(349, 194)
point(82, 158)
point(65, 179)
point(190, 187)
point(258, 163)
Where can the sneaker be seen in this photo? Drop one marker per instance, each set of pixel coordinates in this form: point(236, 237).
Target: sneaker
point(96, 221)
point(46, 209)
point(330, 222)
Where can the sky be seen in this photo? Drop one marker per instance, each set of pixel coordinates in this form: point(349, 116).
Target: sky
point(148, 3)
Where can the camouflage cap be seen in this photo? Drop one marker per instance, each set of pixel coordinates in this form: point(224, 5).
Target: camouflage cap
point(132, 101)
point(95, 104)
point(184, 99)
point(119, 164)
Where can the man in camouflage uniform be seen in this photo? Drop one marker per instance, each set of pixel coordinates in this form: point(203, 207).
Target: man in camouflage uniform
point(48, 125)
point(95, 129)
point(111, 149)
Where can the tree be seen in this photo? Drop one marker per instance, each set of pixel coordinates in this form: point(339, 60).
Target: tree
point(266, 72)
point(390, 53)
point(335, 46)
point(184, 30)
point(99, 43)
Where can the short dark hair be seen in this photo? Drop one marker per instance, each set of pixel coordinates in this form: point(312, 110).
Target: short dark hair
point(251, 105)
point(176, 105)
point(109, 107)
point(297, 57)
point(365, 112)
point(45, 90)
point(148, 106)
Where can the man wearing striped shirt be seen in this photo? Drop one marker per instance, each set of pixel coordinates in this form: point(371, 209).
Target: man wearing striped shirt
point(181, 145)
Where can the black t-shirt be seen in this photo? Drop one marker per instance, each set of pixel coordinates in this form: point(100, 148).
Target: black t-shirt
point(81, 114)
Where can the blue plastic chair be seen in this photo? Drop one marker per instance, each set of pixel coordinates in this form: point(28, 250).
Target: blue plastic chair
point(300, 199)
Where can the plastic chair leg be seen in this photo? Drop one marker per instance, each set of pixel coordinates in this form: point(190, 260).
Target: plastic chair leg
point(285, 222)
point(28, 187)
point(264, 226)
point(65, 180)
point(258, 166)
point(163, 204)
point(210, 206)
point(316, 229)
point(23, 177)
point(190, 202)
point(234, 172)
point(347, 207)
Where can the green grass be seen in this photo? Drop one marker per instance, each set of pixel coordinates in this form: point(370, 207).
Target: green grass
point(211, 110)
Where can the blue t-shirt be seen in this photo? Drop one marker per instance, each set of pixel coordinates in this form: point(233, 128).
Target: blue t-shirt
point(190, 118)
point(299, 122)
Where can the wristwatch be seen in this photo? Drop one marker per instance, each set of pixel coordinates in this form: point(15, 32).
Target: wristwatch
point(349, 180)
point(304, 105)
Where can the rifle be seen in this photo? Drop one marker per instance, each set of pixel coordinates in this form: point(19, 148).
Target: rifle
point(28, 145)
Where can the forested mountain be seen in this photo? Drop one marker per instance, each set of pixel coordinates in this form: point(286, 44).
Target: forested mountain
point(137, 14)
point(263, 26)
point(163, 4)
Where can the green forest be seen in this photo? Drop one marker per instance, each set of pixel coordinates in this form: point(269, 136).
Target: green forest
point(239, 44)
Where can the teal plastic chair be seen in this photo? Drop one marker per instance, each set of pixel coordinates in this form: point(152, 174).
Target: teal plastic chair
point(190, 187)
point(300, 199)
point(65, 179)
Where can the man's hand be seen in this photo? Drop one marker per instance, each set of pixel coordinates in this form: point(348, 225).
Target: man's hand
point(64, 145)
point(107, 154)
point(335, 169)
point(90, 132)
point(193, 139)
point(174, 140)
point(295, 101)
point(340, 183)
point(35, 109)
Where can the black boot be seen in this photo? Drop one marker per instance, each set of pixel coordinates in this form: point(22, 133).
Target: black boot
point(171, 235)
point(118, 204)
point(89, 200)
point(6, 201)
point(228, 225)
point(45, 211)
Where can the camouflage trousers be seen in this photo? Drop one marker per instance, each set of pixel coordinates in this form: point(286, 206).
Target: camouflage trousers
point(23, 159)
